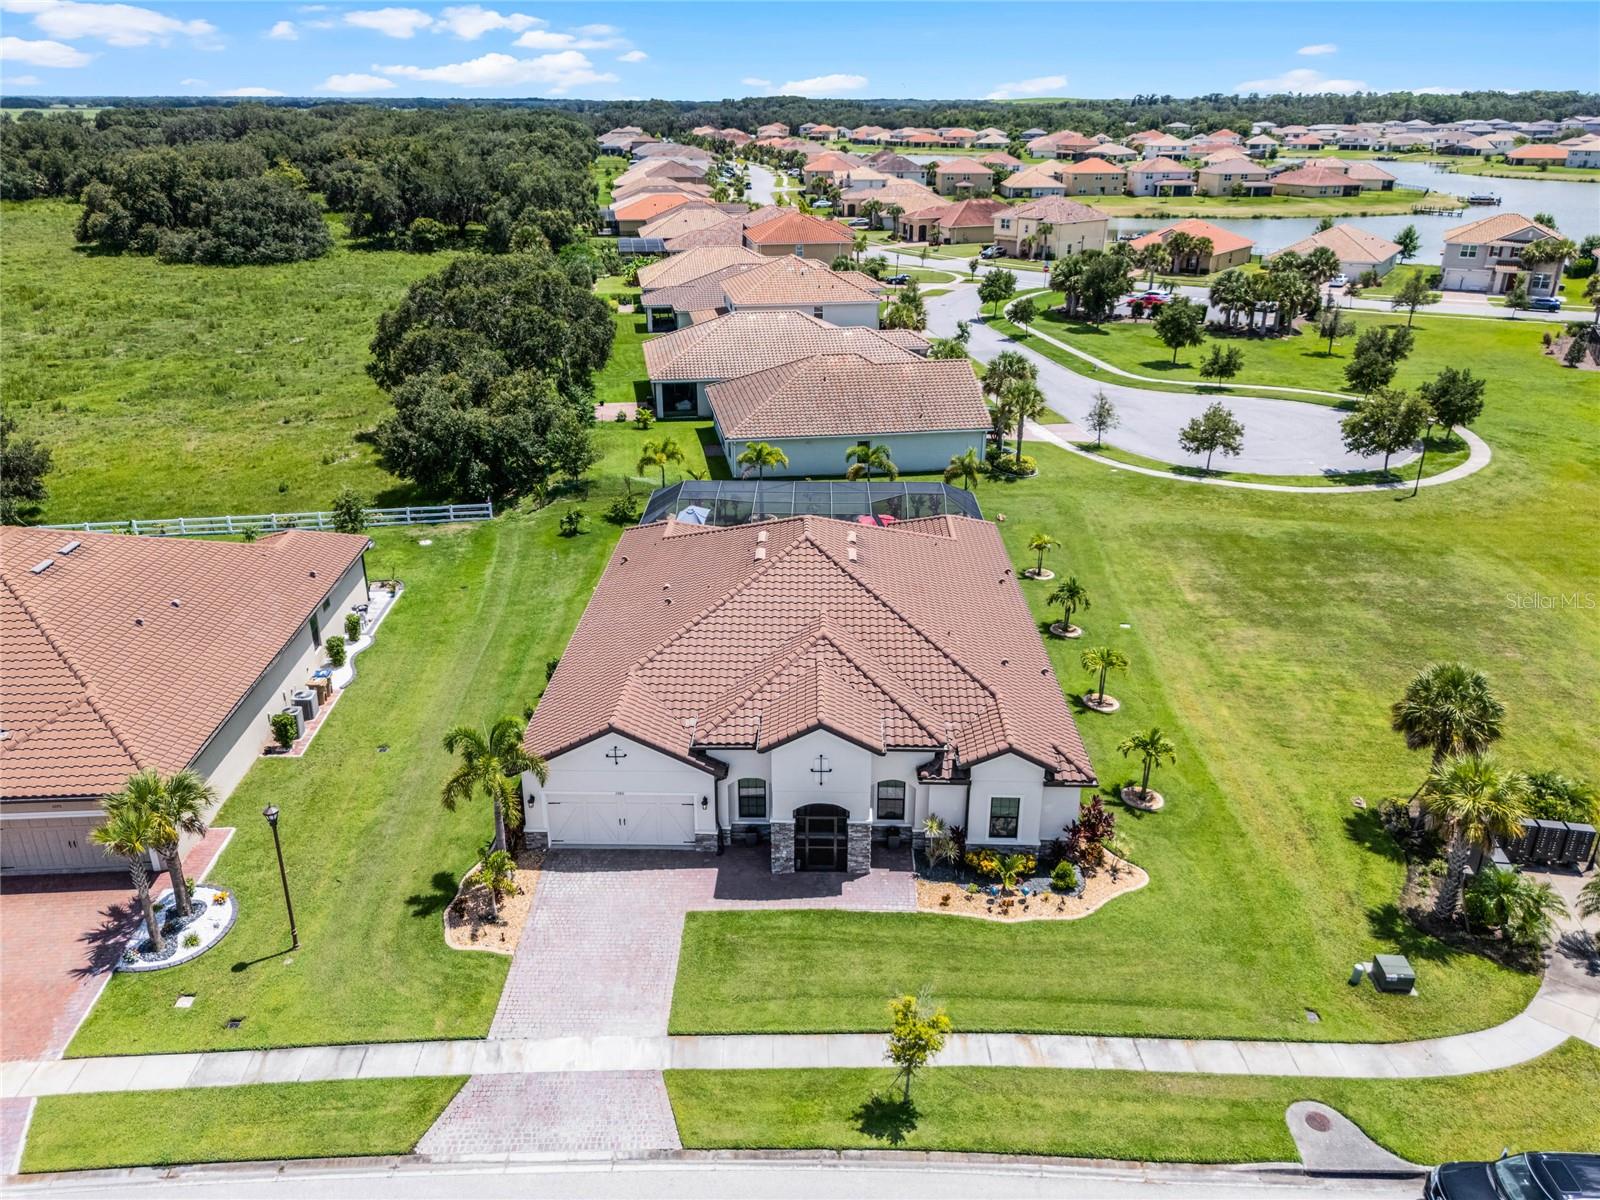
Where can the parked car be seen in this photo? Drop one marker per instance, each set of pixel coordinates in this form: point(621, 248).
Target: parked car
point(1534, 1176)
point(860, 223)
point(898, 280)
point(989, 252)
point(1339, 280)
point(1545, 304)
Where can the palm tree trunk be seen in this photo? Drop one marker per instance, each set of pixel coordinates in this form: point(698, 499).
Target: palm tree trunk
point(138, 868)
point(1444, 906)
point(1100, 696)
point(180, 886)
point(499, 823)
point(1144, 784)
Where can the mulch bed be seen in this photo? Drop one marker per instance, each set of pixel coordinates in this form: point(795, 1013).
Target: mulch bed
point(1096, 889)
point(468, 924)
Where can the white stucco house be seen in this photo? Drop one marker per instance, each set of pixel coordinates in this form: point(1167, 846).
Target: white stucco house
point(1486, 256)
point(816, 681)
point(125, 653)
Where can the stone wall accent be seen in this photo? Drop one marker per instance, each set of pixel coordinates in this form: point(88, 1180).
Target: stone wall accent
point(535, 841)
point(858, 852)
point(782, 847)
point(707, 843)
point(742, 829)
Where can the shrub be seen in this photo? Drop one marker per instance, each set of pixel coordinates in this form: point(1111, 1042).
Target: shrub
point(352, 627)
point(1064, 878)
point(191, 940)
point(621, 511)
point(572, 522)
point(986, 862)
point(621, 418)
point(1086, 840)
point(284, 727)
point(336, 654)
point(643, 418)
point(1010, 464)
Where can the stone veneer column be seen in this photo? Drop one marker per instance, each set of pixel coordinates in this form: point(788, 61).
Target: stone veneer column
point(782, 847)
point(532, 840)
point(858, 853)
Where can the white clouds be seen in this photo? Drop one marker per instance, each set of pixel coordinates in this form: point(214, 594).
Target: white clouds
point(1304, 81)
point(1317, 48)
point(115, 24)
point(555, 73)
point(355, 84)
point(632, 56)
point(1040, 86)
point(755, 82)
point(824, 85)
point(545, 39)
point(391, 22)
point(599, 30)
point(42, 53)
point(1437, 91)
point(471, 21)
point(24, 81)
point(250, 91)
point(284, 31)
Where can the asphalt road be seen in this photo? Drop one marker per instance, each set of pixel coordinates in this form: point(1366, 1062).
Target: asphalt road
point(810, 1179)
point(763, 184)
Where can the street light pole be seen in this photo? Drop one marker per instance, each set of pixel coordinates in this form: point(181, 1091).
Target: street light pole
point(270, 812)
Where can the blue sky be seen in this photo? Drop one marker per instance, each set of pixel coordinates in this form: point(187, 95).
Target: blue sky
point(687, 50)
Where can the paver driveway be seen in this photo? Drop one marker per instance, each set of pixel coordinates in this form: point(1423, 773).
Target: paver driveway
point(600, 953)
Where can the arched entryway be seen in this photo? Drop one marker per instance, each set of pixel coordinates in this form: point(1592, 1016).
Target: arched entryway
point(821, 838)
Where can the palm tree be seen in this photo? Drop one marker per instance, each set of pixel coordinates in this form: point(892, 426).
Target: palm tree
point(870, 210)
point(179, 804)
point(1152, 746)
point(1591, 293)
point(491, 761)
point(964, 467)
point(1589, 898)
point(859, 245)
point(1103, 659)
point(131, 831)
point(498, 874)
point(758, 456)
point(1010, 868)
point(1042, 233)
point(658, 454)
point(1005, 367)
point(1071, 596)
point(1321, 265)
point(1525, 910)
point(1178, 246)
point(1448, 709)
point(1477, 803)
point(1041, 544)
point(1023, 402)
point(866, 459)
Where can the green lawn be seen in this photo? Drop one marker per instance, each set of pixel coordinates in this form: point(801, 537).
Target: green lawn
point(1546, 1104)
point(623, 377)
point(1268, 635)
point(1441, 457)
point(606, 168)
point(372, 857)
point(234, 1124)
point(1499, 168)
point(143, 377)
point(1395, 279)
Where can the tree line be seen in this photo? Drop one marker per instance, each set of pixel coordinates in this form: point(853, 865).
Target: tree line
point(249, 183)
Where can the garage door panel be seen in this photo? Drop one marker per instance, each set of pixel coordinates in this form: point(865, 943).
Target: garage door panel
point(612, 819)
point(49, 845)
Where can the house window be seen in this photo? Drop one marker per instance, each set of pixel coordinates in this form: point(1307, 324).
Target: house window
point(1005, 222)
point(817, 312)
point(752, 799)
point(1003, 814)
point(1539, 283)
point(891, 800)
point(1468, 251)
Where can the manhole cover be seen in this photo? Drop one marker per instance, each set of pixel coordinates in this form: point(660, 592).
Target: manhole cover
point(235, 1022)
point(1319, 1122)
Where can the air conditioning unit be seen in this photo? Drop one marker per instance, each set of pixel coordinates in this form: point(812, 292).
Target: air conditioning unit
point(1392, 973)
point(306, 700)
point(293, 710)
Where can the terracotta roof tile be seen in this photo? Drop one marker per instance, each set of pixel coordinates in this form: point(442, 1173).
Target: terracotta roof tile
point(130, 652)
point(692, 264)
point(690, 643)
point(800, 229)
point(1058, 210)
point(1349, 242)
point(1222, 241)
point(744, 342)
point(791, 280)
point(1493, 229)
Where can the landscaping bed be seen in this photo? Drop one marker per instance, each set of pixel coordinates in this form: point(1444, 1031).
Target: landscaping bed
point(212, 912)
point(471, 923)
point(1038, 900)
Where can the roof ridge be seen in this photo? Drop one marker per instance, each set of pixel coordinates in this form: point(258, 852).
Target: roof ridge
point(115, 730)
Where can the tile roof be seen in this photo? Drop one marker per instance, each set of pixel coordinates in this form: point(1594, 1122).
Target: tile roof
point(962, 166)
point(1151, 165)
point(691, 642)
point(964, 214)
point(130, 652)
point(643, 208)
point(1317, 176)
point(1350, 243)
point(904, 192)
point(799, 229)
point(891, 163)
point(1222, 241)
point(999, 158)
point(791, 280)
point(1058, 210)
point(845, 395)
point(833, 160)
point(693, 264)
point(1547, 153)
point(1116, 150)
point(1039, 175)
point(676, 222)
point(1495, 228)
point(1092, 166)
point(744, 342)
point(1360, 169)
point(705, 294)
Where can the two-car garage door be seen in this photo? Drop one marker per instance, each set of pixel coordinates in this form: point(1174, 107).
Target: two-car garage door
point(51, 845)
point(620, 819)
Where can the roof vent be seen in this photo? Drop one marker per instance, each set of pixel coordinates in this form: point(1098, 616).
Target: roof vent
point(850, 537)
point(176, 603)
point(139, 621)
point(1005, 662)
point(666, 587)
point(761, 537)
point(761, 553)
point(852, 554)
point(69, 547)
point(623, 559)
point(666, 599)
point(313, 574)
point(41, 567)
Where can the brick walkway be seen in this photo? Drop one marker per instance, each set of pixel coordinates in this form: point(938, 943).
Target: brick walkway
point(496, 1116)
point(600, 953)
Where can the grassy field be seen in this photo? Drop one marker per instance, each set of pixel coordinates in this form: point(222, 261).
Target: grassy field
point(1268, 636)
point(1500, 169)
point(372, 857)
point(1545, 1104)
point(606, 168)
point(234, 1124)
point(181, 390)
point(1442, 456)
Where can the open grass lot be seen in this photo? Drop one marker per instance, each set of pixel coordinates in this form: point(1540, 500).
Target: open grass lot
point(1442, 456)
point(1547, 1104)
point(1498, 168)
point(1268, 636)
point(145, 379)
point(234, 1124)
point(372, 857)
point(1491, 349)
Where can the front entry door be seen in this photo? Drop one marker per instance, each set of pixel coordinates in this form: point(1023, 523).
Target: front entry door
point(821, 838)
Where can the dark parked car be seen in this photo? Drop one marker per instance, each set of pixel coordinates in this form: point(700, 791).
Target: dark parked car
point(1518, 1177)
point(898, 280)
point(1545, 304)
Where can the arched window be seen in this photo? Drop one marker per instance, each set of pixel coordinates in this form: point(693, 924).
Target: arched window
point(752, 799)
point(891, 800)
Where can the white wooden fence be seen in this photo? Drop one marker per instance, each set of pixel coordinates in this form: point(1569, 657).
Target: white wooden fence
point(417, 514)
